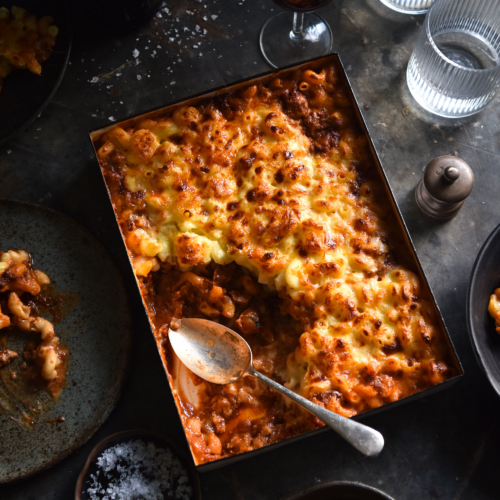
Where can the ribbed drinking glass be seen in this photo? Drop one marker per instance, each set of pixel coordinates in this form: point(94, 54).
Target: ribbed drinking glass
point(409, 6)
point(454, 70)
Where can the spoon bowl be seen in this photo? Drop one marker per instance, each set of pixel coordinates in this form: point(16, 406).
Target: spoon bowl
point(221, 356)
point(211, 351)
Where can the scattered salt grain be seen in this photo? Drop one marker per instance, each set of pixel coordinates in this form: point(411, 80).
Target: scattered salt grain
point(139, 77)
point(214, 17)
point(112, 119)
point(172, 82)
point(138, 470)
point(135, 53)
point(9, 151)
point(94, 79)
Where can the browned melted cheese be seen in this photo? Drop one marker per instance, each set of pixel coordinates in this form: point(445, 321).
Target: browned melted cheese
point(278, 179)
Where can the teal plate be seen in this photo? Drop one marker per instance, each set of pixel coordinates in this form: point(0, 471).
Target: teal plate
point(96, 326)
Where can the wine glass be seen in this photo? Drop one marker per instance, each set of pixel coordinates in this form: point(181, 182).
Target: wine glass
point(296, 34)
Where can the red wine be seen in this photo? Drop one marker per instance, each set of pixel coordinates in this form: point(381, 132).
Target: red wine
point(302, 5)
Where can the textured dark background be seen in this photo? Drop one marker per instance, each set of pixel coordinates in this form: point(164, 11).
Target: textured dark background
point(442, 447)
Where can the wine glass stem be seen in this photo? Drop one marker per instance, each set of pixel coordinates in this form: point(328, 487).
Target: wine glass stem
point(298, 26)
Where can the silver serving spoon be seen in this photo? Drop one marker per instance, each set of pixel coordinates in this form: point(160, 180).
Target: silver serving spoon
point(219, 355)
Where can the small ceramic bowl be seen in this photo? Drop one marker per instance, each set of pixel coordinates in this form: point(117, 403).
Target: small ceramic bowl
point(339, 490)
point(157, 438)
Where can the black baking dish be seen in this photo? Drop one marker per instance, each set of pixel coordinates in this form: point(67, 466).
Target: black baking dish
point(95, 134)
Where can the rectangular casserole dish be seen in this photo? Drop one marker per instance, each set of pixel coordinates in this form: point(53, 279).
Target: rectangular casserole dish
point(181, 384)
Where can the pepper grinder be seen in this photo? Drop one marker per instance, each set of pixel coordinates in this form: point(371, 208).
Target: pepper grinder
point(446, 182)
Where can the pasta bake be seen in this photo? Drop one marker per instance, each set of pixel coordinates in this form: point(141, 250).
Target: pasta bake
point(25, 42)
point(263, 209)
point(19, 284)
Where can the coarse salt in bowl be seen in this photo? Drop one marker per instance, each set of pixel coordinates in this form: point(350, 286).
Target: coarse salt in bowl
point(136, 465)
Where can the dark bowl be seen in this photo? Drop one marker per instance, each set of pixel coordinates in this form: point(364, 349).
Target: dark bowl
point(158, 439)
point(484, 279)
point(340, 490)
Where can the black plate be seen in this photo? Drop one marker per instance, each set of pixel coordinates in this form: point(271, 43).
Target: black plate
point(340, 490)
point(24, 95)
point(484, 279)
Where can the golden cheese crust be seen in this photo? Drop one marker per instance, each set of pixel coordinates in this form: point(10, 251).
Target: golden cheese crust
point(279, 179)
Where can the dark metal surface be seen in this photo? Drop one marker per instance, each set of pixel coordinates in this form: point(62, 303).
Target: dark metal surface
point(159, 439)
point(485, 279)
point(95, 327)
point(24, 95)
point(442, 447)
point(340, 490)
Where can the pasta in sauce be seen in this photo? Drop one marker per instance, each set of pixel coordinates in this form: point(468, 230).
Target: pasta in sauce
point(19, 283)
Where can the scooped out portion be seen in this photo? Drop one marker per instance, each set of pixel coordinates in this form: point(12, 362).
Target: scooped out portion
point(44, 362)
point(25, 42)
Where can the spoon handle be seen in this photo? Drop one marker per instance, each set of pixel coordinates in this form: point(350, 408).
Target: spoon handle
point(365, 439)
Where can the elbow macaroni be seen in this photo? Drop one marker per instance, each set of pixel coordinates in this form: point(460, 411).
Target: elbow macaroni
point(24, 42)
point(16, 278)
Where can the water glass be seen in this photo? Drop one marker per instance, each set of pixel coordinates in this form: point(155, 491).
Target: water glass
point(409, 6)
point(454, 70)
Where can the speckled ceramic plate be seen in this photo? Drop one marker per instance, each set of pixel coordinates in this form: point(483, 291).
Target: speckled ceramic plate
point(95, 326)
point(485, 279)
